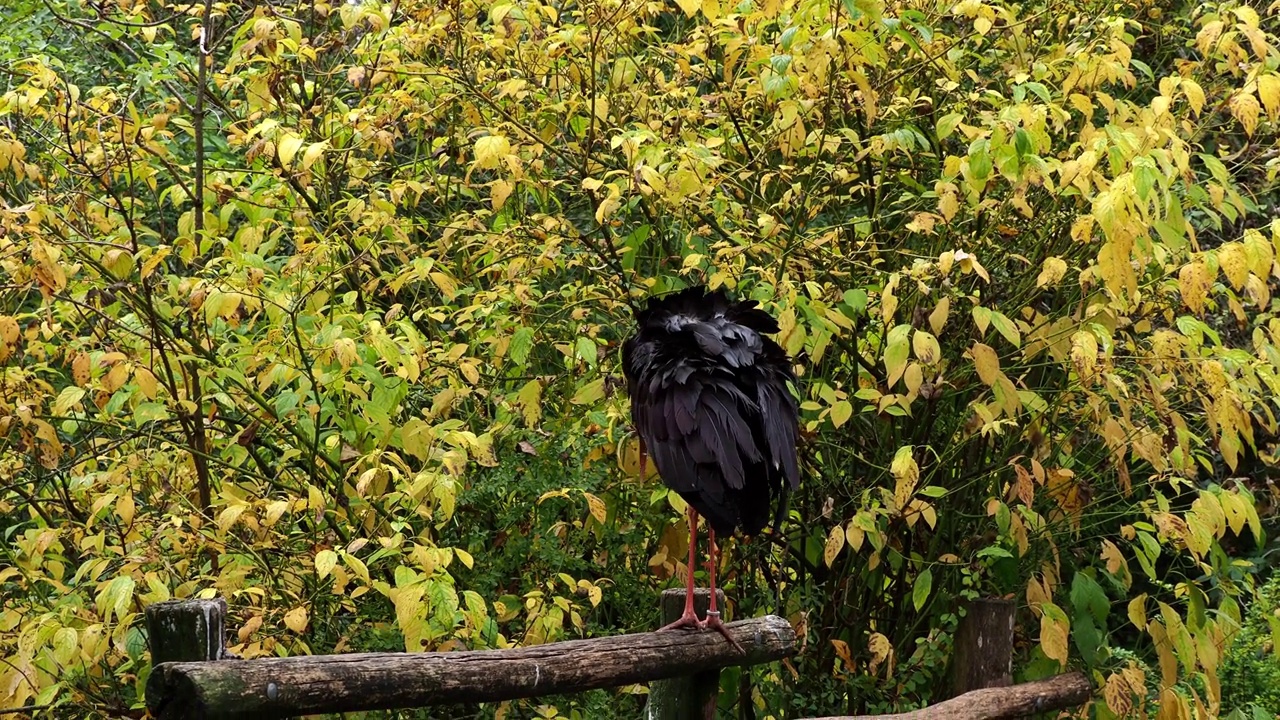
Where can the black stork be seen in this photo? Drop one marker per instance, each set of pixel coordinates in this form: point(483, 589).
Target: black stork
point(710, 402)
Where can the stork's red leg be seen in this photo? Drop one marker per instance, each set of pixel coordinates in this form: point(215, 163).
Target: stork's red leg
point(689, 619)
point(713, 614)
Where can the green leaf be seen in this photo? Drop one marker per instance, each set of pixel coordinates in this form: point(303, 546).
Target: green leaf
point(1088, 596)
point(589, 393)
point(325, 561)
point(980, 160)
point(587, 350)
point(149, 411)
point(115, 597)
point(856, 299)
point(947, 125)
point(896, 352)
point(982, 318)
point(923, 586)
point(1005, 327)
point(1022, 142)
point(521, 345)
point(67, 399)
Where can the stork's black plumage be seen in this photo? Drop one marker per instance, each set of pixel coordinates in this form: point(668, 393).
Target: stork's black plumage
point(710, 402)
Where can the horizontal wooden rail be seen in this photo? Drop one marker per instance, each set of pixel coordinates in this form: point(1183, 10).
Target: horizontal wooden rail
point(293, 686)
point(1015, 701)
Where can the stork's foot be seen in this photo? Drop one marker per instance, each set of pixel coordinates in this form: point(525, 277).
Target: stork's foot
point(687, 621)
point(713, 623)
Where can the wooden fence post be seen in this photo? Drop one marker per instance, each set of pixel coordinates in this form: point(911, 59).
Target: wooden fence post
point(983, 652)
point(692, 697)
point(187, 630)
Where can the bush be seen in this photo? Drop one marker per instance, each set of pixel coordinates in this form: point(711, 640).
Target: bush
point(1251, 671)
point(326, 322)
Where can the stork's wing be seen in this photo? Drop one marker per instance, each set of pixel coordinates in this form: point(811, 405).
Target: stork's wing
point(698, 432)
point(778, 416)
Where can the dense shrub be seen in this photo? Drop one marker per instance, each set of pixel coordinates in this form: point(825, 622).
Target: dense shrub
point(316, 307)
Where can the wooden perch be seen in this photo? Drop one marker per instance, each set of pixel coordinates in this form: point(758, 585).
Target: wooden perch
point(288, 687)
point(1055, 693)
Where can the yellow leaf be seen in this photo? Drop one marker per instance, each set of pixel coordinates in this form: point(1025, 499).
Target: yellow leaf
point(313, 153)
point(1208, 36)
point(1246, 15)
point(1051, 272)
point(499, 191)
point(1116, 267)
point(1164, 651)
point(938, 318)
point(969, 264)
point(1234, 264)
point(275, 510)
point(125, 508)
point(1194, 284)
point(1138, 611)
point(1082, 228)
point(835, 543)
point(80, 368)
point(881, 650)
point(146, 382)
point(325, 562)
point(690, 7)
point(854, 535)
point(842, 651)
point(926, 347)
point(1245, 108)
point(841, 411)
point(889, 302)
point(597, 508)
point(987, 363)
point(490, 151)
point(465, 558)
point(906, 472)
point(1194, 94)
point(228, 516)
point(296, 619)
point(609, 205)
point(1172, 706)
point(1116, 564)
point(1119, 695)
point(913, 378)
point(1054, 628)
point(948, 204)
point(288, 147)
point(1269, 91)
point(923, 223)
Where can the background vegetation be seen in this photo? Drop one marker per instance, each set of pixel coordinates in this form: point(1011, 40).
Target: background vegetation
point(315, 306)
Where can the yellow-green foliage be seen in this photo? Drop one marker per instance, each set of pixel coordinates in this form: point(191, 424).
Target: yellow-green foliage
point(324, 321)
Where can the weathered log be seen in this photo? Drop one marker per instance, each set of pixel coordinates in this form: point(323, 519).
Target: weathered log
point(288, 687)
point(187, 630)
point(692, 697)
point(983, 656)
point(1015, 701)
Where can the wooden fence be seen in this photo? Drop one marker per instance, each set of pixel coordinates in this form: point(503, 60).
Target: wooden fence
point(194, 677)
